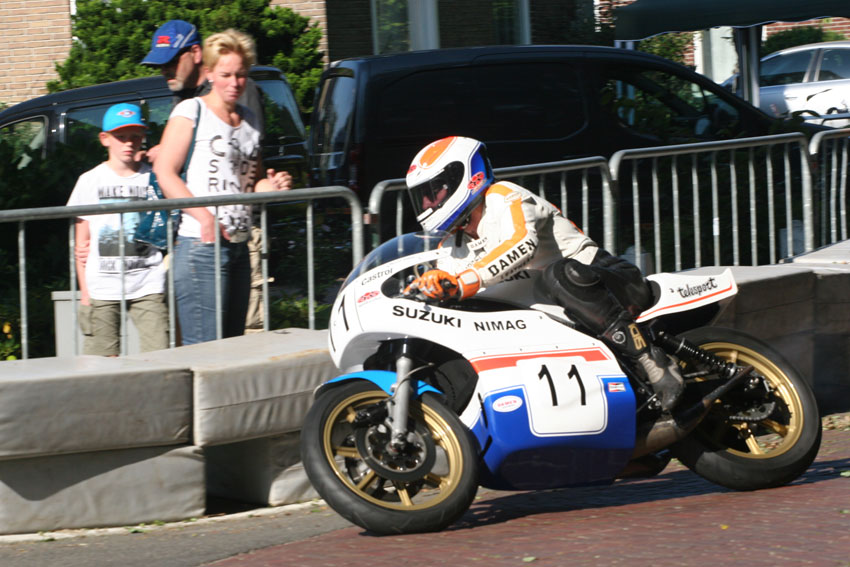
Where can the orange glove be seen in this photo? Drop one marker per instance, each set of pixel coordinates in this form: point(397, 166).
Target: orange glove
point(441, 285)
point(435, 284)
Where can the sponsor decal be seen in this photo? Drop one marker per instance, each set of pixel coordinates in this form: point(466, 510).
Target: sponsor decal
point(507, 261)
point(367, 296)
point(521, 275)
point(163, 41)
point(519, 324)
point(476, 181)
point(507, 404)
point(698, 289)
point(412, 168)
point(375, 276)
point(127, 113)
point(616, 387)
point(429, 316)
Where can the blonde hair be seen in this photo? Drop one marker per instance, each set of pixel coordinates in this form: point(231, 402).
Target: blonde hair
point(229, 41)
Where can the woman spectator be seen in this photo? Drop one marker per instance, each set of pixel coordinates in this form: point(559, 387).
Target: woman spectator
point(215, 143)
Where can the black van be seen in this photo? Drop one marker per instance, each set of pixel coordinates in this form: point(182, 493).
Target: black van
point(529, 104)
point(73, 117)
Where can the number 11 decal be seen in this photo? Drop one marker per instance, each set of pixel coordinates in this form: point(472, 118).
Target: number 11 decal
point(573, 373)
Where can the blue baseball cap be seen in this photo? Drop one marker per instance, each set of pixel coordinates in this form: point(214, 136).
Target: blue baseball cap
point(169, 39)
point(122, 115)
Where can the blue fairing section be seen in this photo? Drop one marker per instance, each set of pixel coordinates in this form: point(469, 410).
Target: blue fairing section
point(515, 458)
point(383, 379)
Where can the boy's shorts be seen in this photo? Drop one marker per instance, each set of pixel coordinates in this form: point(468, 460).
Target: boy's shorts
point(100, 324)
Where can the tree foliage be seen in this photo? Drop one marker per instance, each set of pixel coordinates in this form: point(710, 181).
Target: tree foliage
point(798, 36)
point(672, 46)
point(112, 37)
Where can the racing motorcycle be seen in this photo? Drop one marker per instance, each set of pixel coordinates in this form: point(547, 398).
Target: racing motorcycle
point(503, 390)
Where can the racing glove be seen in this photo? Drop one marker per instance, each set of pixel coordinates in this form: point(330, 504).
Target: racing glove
point(441, 285)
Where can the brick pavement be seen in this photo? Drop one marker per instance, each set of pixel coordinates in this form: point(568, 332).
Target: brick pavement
point(674, 519)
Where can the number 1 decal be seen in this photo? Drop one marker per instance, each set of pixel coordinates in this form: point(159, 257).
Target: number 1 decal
point(573, 373)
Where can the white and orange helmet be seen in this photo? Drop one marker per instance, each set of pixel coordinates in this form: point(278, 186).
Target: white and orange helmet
point(447, 180)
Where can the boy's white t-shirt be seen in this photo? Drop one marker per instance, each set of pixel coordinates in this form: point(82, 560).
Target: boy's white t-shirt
point(144, 273)
point(223, 162)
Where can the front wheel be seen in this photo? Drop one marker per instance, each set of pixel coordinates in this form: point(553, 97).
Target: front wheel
point(344, 454)
point(752, 441)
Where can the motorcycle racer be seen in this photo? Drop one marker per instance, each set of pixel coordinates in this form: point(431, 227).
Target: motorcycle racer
point(508, 229)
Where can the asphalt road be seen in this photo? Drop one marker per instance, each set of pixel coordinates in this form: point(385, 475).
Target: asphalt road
point(675, 518)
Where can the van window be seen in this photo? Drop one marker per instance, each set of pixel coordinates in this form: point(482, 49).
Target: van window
point(664, 106)
point(83, 124)
point(282, 116)
point(332, 123)
point(156, 111)
point(23, 140)
point(520, 101)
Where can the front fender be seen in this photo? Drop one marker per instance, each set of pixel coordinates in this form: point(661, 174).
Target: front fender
point(383, 379)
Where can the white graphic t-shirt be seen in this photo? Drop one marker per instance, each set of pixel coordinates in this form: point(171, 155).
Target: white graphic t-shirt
point(223, 162)
point(143, 270)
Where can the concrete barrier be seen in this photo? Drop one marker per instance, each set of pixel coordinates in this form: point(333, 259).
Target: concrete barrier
point(90, 441)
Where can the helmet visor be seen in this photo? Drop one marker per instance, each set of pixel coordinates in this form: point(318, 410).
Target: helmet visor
point(432, 194)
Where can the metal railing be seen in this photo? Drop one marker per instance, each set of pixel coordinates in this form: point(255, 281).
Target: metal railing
point(751, 186)
point(309, 196)
point(744, 201)
point(829, 153)
point(582, 188)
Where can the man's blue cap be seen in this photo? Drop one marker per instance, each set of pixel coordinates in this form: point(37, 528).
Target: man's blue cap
point(169, 39)
point(121, 116)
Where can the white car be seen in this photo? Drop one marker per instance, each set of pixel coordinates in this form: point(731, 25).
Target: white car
point(812, 79)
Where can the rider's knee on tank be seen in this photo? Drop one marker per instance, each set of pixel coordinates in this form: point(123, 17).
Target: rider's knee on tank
point(582, 294)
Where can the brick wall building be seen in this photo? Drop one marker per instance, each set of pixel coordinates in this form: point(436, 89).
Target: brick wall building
point(37, 34)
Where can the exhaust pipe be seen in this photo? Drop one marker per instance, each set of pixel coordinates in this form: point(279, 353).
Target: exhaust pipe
point(663, 433)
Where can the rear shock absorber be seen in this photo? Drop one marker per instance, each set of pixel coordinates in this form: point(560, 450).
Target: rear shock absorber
point(682, 347)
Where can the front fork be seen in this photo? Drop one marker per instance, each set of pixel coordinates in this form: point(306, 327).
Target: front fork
point(400, 400)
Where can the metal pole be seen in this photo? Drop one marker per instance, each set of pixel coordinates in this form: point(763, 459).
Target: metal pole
point(22, 283)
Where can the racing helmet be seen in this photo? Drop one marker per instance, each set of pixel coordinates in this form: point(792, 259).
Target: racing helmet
point(446, 181)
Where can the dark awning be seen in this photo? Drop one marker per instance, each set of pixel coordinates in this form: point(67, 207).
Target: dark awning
point(645, 18)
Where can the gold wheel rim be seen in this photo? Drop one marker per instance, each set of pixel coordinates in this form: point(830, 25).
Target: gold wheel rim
point(431, 490)
point(768, 438)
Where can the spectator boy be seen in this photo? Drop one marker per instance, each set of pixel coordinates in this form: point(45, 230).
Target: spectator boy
point(102, 278)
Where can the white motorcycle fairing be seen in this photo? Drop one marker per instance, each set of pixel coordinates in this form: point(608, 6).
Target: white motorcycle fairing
point(547, 398)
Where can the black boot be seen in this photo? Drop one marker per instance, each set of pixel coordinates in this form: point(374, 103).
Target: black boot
point(662, 373)
point(581, 292)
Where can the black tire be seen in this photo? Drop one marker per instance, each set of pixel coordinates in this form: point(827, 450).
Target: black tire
point(350, 485)
point(761, 454)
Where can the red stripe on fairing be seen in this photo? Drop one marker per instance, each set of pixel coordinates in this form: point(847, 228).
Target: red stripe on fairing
point(665, 308)
point(508, 360)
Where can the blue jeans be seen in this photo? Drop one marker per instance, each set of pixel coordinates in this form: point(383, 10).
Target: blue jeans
point(194, 288)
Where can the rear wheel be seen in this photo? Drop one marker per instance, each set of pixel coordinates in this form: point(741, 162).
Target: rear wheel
point(763, 438)
point(345, 455)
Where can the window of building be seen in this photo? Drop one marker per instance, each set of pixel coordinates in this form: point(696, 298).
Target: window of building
point(402, 25)
point(391, 26)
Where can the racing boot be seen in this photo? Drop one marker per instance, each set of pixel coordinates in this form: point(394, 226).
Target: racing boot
point(662, 373)
point(581, 292)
